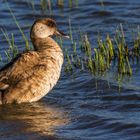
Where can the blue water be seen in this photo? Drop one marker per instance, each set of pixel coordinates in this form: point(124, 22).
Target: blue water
point(80, 107)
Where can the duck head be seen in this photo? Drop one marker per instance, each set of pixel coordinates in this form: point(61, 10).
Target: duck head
point(43, 28)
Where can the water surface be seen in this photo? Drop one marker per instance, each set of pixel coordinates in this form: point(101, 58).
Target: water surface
point(80, 107)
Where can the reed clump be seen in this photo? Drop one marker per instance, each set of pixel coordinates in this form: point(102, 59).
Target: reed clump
point(13, 49)
point(47, 6)
point(71, 3)
point(110, 53)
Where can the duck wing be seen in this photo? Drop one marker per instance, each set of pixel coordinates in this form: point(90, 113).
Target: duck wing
point(18, 68)
point(4, 73)
point(5, 69)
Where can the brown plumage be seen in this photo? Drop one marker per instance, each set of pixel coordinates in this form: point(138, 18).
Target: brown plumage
point(31, 75)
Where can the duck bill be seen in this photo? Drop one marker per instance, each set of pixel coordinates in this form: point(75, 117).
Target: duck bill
point(60, 33)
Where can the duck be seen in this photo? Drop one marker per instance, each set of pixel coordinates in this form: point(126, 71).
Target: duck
point(33, 74)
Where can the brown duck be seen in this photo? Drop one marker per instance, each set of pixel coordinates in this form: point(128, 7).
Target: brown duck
point(31, 75)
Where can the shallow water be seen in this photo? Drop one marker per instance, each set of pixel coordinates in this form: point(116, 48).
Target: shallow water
point(80, 107)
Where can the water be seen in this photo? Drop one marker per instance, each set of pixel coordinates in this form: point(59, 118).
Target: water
point(80, 107)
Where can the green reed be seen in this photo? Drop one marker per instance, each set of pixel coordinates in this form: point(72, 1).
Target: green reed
point(110, 53)
point(102, 4)
point(60, 3)
point(74, 45)
point(21, 31)
point(13, 50)
point(71, 3)
point(46, 6)
point(87, 47)
point(68, 67)
point(70, 31)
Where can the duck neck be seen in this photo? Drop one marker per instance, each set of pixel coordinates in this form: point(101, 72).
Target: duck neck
point(47, 47)
point(42, 44)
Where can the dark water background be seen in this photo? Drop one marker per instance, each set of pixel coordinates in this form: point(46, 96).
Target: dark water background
point(76, 109)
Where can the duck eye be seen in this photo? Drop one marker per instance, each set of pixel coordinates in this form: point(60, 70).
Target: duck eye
point(51, 24)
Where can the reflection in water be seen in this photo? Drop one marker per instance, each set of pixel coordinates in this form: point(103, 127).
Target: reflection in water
point(30, 118)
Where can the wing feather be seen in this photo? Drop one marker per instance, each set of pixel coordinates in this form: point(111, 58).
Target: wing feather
point(19, 67)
